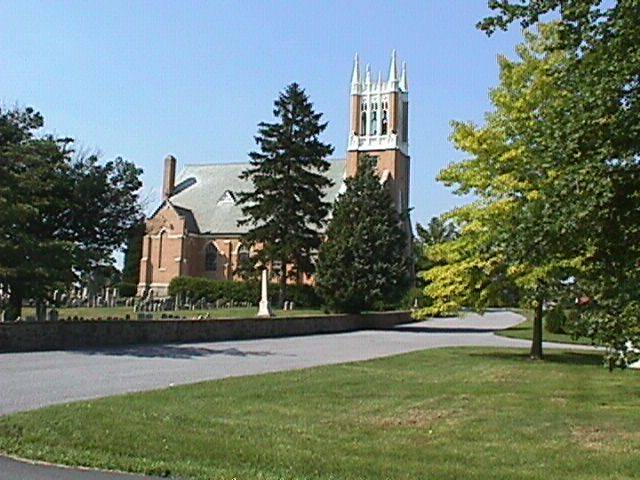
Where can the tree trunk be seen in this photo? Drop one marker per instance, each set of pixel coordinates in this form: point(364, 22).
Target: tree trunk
point(41, 312)
point(14, 308)
point(536, 343)
point(298, 274)
point(283, 286)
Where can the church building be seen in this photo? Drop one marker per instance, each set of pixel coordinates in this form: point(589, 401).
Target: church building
point(194, 231)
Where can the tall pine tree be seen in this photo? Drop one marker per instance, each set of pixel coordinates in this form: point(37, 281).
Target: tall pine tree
point(363, 263)
point(285, 210)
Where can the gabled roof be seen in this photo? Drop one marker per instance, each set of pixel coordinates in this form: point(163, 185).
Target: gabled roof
point(201, 195)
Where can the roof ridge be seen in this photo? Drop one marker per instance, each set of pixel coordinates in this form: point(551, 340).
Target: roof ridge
point(239, 163)
point(213, 164)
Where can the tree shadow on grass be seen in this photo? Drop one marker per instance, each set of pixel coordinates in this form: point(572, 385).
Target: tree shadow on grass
point(562, 357)
point(172, 351)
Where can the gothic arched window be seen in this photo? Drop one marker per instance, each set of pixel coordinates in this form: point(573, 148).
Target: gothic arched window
point(211, 258)
point(374, 123)
point(385, 123)
point(363, 123)
point(243, 255)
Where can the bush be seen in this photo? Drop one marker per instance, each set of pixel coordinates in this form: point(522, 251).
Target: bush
point(303, 296)
point(555, 320)
point(226, 291)
point(127, 289)
point(414, 296)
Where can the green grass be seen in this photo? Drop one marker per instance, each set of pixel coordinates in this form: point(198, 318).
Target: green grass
point(438, 414)
point(120, 312)
point(524, 330)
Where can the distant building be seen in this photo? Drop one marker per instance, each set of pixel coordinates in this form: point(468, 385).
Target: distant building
point(194, 231)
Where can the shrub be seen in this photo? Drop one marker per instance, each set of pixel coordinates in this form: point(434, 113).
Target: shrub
point(303, 296)
point(413, 296)
point(555, 320)
point(127, 289)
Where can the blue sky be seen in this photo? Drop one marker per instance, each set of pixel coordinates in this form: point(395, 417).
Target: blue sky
point(144, 79)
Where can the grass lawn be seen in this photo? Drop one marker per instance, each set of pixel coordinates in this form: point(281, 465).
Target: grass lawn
point(120, 312)
point(440, 414)
point(525, 330)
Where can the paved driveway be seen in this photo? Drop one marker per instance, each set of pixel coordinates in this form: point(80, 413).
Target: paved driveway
point(33, 380)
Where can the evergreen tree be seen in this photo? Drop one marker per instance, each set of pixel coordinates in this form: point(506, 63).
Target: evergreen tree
point(438, 230)
point(285, 211)
point(363, 265)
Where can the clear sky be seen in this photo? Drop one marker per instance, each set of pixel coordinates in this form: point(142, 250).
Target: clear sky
point(144, 79)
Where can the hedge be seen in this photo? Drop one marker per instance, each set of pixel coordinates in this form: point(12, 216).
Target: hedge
point(226, 290)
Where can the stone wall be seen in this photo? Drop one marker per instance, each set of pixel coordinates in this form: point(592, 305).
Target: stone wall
point(68, 335)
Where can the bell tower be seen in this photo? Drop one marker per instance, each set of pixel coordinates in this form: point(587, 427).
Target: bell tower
point(379, 127)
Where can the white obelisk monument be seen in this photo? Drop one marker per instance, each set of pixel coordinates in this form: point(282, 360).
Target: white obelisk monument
point(264, 310)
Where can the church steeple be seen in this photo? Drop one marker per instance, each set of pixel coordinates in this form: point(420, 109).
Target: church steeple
point(379, 109)
point(380, 128)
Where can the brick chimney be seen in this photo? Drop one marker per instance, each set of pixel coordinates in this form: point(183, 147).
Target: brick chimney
point(169, 181)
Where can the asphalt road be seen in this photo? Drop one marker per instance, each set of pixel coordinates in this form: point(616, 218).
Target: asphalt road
point(37, 379)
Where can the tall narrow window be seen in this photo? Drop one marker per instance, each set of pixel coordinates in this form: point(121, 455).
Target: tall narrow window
point(160, 242)
point(211, 258)
point(385, 123)
point(243, 255)
point(363, 123)
point(374, 123)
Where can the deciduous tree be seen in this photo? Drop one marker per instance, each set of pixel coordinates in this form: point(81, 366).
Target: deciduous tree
point(507, 235)
point(592, 141)
point(62, 214)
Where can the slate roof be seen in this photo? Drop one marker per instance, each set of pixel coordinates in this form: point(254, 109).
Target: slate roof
point(200, 195)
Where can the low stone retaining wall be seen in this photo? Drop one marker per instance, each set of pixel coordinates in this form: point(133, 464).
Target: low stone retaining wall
point(68, 335)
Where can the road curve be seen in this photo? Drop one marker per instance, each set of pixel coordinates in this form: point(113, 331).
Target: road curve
point(37, 379)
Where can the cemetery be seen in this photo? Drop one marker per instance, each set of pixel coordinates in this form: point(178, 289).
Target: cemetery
point(231, 300)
